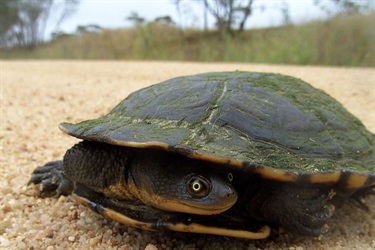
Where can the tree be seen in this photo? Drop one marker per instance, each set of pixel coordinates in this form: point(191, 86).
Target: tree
point(91, 28)
point(164, 20)
point(23, 22)
point(229, 13)
point(339, 7)
point(136, 19)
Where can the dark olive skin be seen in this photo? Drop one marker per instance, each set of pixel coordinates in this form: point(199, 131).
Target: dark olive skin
point(136, 174)
point(151, 178)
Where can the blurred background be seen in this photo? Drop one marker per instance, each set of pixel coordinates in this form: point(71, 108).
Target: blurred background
point(314, 32)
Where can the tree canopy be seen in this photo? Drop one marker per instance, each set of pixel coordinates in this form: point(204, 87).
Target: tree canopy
point(23, 22)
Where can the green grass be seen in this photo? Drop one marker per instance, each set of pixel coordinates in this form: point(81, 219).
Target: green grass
point(343, 41)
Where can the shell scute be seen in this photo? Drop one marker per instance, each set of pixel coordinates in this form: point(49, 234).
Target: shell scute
point(270, 120)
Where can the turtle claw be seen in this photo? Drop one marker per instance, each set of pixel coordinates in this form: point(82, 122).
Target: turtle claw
point(51, 179)
point(42, 173)
point(312, 214)
point(314, 222)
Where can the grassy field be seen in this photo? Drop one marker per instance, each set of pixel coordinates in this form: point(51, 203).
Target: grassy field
point(342, 41)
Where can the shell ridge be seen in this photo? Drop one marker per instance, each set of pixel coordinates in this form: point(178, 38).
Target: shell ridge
point(195, 114)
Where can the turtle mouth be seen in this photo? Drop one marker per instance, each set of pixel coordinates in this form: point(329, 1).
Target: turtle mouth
point(196, 208)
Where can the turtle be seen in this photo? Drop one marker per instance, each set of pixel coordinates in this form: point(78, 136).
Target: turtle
point(237, 154)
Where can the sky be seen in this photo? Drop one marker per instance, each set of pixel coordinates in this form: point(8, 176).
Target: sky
point(113, 13)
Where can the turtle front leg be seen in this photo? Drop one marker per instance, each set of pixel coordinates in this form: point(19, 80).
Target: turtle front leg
point(300, 210)
point(51, 179)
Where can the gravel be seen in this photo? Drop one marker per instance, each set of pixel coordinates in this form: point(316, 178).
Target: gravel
point(37, 95)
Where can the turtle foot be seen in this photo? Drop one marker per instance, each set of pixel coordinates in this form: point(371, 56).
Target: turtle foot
point(303, 211)
point(51, 179)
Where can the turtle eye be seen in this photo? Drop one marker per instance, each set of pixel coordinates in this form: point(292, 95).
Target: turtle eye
point(198, 186)
point(230, 176)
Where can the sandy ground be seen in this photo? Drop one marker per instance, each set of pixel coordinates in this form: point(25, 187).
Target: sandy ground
point(37, 95)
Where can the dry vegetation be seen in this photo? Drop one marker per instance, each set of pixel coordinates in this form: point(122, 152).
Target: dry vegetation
point(344, 40)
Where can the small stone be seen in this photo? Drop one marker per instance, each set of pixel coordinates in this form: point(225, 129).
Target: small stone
point(50, 234)
point(151, 247)
point(96, 240)
point(4, 242)
point(4, 225)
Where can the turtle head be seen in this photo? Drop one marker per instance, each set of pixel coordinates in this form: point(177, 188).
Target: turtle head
point(175, 183)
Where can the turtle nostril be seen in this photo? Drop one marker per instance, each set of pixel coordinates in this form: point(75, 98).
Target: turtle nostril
point(231, 194)
point(231, 197)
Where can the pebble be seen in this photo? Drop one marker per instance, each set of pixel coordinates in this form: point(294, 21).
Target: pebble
point(151, 247)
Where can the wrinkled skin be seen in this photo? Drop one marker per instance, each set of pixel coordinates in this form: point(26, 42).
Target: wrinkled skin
point(95, 166)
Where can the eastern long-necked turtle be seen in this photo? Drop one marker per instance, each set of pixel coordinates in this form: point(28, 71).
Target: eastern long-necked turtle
point(233, 153)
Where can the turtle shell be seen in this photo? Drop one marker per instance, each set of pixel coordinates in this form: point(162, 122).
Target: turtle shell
point(273, 125)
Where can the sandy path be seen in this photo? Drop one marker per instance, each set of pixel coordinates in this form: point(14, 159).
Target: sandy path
point(37, 95)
